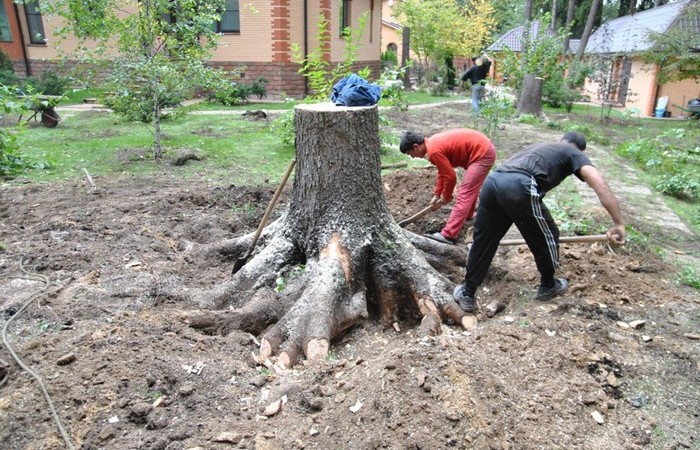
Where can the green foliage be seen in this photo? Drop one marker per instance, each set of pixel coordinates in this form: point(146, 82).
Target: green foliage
point(674, 164)
point(283, 128)
point(318, 71)
point(497, 107)
point(393, 91)
point(680, 185)
point(690, 277)
point(142, 88)
point(389, 58)
point(288, 274)
point(158, 60)
point(675, 50)
point(542, 58)
point(441, 28)
point(11, 163)
point(51, 83)
point(5, 62)
point(230, 93)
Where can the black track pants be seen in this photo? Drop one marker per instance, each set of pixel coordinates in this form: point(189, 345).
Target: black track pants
point(508, 198)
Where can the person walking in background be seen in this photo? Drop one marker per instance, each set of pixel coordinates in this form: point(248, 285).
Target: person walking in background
point(465, 148)
point(513, 194)
point(476, 75)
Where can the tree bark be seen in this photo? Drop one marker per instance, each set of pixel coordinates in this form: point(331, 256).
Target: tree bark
point(342, 257)
point(530, 101)
point(569, 17)
point(588, 29)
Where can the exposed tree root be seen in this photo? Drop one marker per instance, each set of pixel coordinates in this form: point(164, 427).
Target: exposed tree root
point(335, 291)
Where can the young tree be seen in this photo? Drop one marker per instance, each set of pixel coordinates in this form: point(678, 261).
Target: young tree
point(156, 47)
point(443, 28)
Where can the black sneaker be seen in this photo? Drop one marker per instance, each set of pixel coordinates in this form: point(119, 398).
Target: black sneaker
point(545, 293)
point(466, 302)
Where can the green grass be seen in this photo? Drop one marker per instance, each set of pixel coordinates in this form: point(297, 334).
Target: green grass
point(423, 97)
point(236, 149)
point(76, 96)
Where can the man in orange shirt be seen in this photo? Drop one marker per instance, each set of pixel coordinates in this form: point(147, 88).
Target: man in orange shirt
point(465, 148)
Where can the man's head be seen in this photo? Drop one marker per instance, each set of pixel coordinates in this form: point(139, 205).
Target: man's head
point(575, 138)
point(413, 144)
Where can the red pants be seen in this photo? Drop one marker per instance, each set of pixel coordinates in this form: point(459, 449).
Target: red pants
point(468, 192)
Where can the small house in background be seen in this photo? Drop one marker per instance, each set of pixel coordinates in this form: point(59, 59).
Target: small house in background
point(634, 83)
point(258, 35)
point(392, 31)
point(513, 40)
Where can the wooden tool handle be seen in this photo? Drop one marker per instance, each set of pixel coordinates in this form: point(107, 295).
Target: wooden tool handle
point(591, 238)
point(271, 206)
point(417, 215)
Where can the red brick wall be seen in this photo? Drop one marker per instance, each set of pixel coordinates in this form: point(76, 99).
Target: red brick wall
point(280, 31)
point(282, 77)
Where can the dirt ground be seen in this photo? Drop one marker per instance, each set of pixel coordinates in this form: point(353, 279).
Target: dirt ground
point(612, 364)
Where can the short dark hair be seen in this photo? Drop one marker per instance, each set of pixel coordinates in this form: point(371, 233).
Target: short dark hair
point(408, 139)
point(575, 138)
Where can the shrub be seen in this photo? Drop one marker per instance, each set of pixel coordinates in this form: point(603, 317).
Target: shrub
point(51, 83)
point(11, 162)
point(258, 88)
point(679, 185)
point(137, 105)
point(5, 62)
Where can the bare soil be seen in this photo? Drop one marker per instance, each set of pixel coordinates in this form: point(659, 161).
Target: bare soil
point(83, 273)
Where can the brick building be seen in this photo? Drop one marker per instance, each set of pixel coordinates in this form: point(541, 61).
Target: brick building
point(258, 34)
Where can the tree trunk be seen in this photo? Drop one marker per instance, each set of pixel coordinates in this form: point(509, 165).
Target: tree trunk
point(158, 150)
point(530, 101)
point(342, 256)
point(569, 17)
point(588, 29)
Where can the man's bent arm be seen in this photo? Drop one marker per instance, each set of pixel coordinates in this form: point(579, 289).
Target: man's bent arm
point(596, 181)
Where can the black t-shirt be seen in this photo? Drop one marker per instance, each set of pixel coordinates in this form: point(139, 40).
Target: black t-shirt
point(477, 73)
point(548, 163)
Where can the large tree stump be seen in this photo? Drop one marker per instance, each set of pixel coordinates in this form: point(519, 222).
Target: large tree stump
point(342, 257)
point(530, 101)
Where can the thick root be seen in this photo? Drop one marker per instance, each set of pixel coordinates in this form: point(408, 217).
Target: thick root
point(264, 309)
point(324, 311)
point(259, 272)
point(229, 248)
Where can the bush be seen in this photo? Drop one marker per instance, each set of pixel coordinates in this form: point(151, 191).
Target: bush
point(51, 84)
point(258, 88)
point(679, 185)
point(11, 162)
point(230, 93)
point(5, 62)
point(137, 105)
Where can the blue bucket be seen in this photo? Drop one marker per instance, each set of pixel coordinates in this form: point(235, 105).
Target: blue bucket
point(658, 112)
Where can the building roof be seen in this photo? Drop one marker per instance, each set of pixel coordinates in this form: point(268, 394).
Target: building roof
point(629, 34)
point(390, 24)
point(513, 39)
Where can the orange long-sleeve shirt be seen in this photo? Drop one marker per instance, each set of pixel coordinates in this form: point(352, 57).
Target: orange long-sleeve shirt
point(454, 148)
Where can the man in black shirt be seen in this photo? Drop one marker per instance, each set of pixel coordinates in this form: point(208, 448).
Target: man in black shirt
point(513, 194)
point(477, 77)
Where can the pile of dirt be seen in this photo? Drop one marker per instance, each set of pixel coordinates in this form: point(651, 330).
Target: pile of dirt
point(614, 363)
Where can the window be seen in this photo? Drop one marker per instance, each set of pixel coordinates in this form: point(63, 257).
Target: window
point(345, 18)
point(36, 26)
point(230, 18)
point(5, 35)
